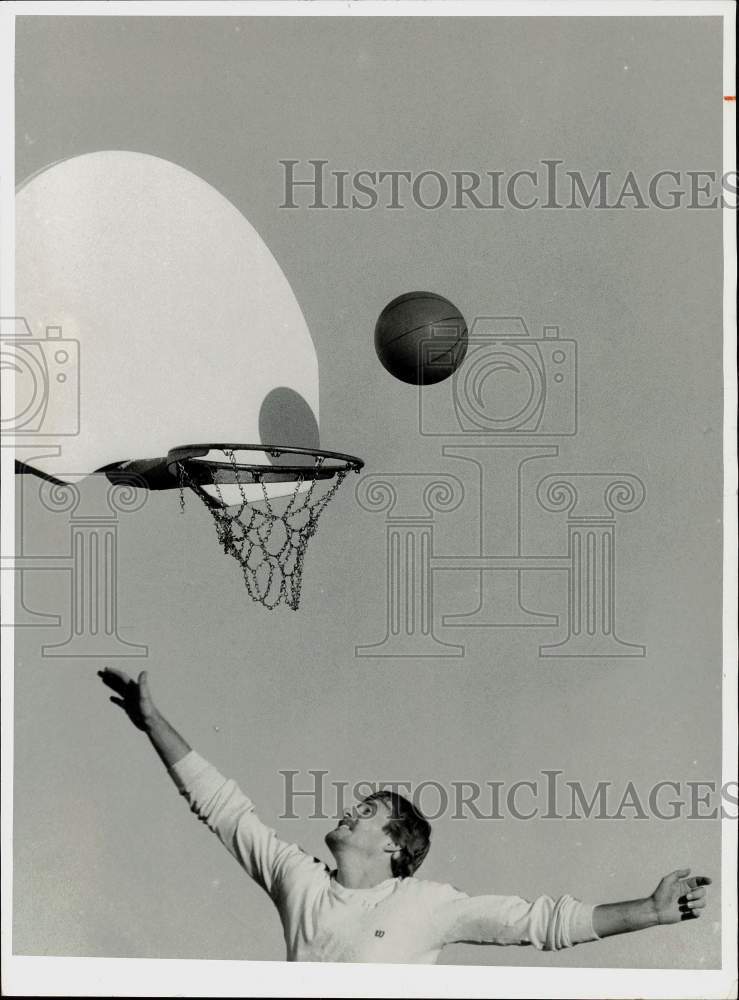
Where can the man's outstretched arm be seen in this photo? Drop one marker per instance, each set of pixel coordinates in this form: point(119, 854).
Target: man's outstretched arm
point(676, 898)
point(551, 924)
point(135, 699)
point(217, 801)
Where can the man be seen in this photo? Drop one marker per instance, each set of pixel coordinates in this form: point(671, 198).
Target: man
point(372, 908)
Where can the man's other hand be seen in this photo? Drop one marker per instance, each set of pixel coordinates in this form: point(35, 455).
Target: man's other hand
point(679, 897)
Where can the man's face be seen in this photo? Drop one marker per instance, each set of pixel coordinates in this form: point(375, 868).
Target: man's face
point(363, 829)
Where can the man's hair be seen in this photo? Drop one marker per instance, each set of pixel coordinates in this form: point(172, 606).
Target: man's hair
point(410, 830)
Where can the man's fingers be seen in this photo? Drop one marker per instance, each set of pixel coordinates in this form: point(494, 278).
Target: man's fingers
point(115, 679)
point(670, 881)
point(112, 672)
point(144, 692)
point(115, 683)
point(696, 904)
point(696, 894)
point(699, 880)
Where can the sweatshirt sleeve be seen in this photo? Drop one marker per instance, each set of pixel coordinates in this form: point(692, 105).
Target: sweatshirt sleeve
point(545, 923)
point(225, 810)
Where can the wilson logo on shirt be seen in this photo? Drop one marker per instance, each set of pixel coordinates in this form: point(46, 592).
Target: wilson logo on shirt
point(379, 933)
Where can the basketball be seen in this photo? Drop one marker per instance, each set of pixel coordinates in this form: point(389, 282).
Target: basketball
point(421, 338)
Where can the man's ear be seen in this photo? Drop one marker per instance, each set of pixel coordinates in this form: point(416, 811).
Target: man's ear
point(391, 847)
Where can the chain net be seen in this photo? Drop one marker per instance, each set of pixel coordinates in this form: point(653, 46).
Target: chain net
point(268, 537)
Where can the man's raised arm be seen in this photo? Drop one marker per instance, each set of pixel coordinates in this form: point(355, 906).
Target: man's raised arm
point(217, 801)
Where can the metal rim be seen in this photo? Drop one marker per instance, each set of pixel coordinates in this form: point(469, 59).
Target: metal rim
point(191, 455)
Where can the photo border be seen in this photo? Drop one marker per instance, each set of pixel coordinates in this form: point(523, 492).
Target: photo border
point(49, 976)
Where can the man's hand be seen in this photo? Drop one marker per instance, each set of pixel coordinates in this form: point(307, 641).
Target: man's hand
point(678, 897)
point(132, 696)
point(135, 699)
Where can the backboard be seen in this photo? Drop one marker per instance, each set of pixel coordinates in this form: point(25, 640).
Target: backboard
point(175, 321)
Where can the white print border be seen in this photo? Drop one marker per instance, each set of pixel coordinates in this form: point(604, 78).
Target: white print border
point(44, 976)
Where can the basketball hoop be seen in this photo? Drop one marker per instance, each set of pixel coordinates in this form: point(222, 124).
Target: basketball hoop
point(265, 501)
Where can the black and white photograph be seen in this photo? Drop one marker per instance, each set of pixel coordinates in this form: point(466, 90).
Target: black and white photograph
point(369, 480)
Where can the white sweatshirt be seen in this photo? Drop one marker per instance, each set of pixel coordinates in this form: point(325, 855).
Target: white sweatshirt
point(399, 920)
